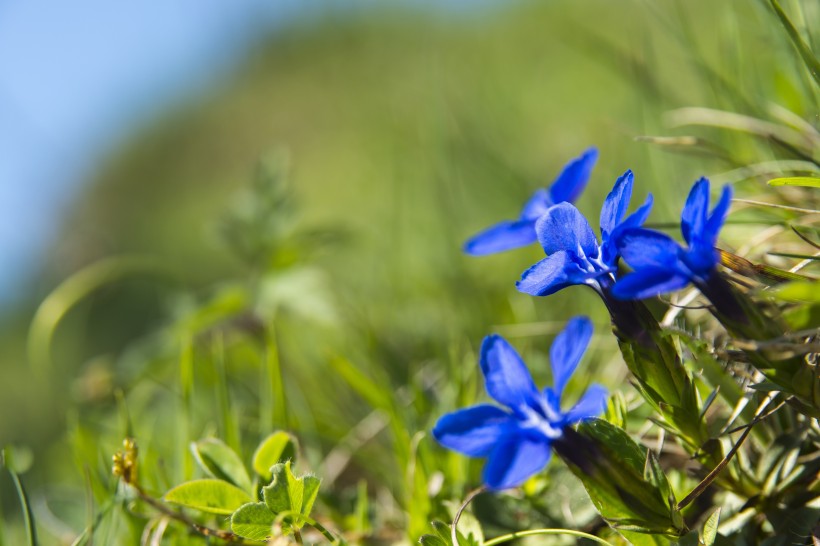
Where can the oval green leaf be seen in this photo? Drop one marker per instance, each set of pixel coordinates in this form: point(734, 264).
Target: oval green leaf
point(253, 521)
point(221, 462)
point(276, 448)
point(213, 496)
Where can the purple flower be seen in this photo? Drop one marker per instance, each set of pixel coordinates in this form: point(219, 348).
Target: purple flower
point(662, 265)
point(517, 440)
point(574, 255)
point(511, 234)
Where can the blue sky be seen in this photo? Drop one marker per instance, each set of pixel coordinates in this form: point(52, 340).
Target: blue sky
point(76, 77)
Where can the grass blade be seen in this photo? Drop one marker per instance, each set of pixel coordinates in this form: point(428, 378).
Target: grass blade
point(802, 181)
point(28, 516)
point(811, 62)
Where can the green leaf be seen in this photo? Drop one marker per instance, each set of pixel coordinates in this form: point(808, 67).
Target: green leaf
point(803, 317)
point(811, 62)
point(361, 514)
point(710, 528)
point(624, 482)
point(468, 524)
point(644, 539)
point(803, 181)
point(443, 536)
point(290, 494)
point(689, 539)
point(432, 540)
point(213, 496)
point(253, 521)
point(797, 291)
point(276, 448)
point(616, 410)
point(221, 462)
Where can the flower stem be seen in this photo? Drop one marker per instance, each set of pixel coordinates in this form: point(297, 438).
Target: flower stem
point(519, 534)
point(453, 527)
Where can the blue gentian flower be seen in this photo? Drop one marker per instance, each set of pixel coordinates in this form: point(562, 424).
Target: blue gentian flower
point(516, 233)
point(574, 255)
point(517, 440)
point(660, 264)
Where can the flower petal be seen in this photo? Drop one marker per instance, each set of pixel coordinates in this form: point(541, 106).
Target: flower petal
point(648, 282)
point(473, 431)
point(567, 349)
point(592, 404)
point(517, 457)
point(694, 213)
point(506, 377)
point(615, 204)
point(536, 206)
point(637, 218)
point(563, 227)
point(551, 275)
point(502, 236)
point(718, 216)
point(573, 178)
point(611, 243)
point(646, 248)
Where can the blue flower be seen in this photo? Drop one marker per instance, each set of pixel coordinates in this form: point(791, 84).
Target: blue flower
point(573, 253)
point(516, 233)
point(517, 440)
point(662, 265)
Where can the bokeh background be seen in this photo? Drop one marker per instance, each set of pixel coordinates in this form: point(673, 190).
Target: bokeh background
point(378, 138)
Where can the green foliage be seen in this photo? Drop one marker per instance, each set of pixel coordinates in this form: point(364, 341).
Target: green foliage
point(253, 521)
point(288, 494)
point(623, 479)
point(14, 465)
point(278, 447)
point(208, 495)
point(802, 181)
point(442, 536)
point(339, 308)
point(221, 462)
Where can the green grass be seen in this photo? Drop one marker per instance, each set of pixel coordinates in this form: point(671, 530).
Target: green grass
point(404, 134)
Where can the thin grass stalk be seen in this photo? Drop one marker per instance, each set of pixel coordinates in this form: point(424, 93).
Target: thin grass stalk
point(229, 426)
point(186, 382)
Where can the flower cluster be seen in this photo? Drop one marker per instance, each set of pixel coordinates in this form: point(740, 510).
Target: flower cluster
point(661, 264)
point(517, 439)
point(574, 255)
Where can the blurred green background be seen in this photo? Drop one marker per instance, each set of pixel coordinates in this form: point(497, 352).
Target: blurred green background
point(398, 133)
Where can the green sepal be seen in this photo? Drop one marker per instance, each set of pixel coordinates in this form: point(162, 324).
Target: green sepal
point(622, 478)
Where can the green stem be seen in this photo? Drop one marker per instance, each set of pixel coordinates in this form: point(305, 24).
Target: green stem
point(302, 519)
point(454, 526)
point(321, 528)
point(519, 534)
point(186, 382)
point(275, 409)
point(223, 397)
point(28, 517)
